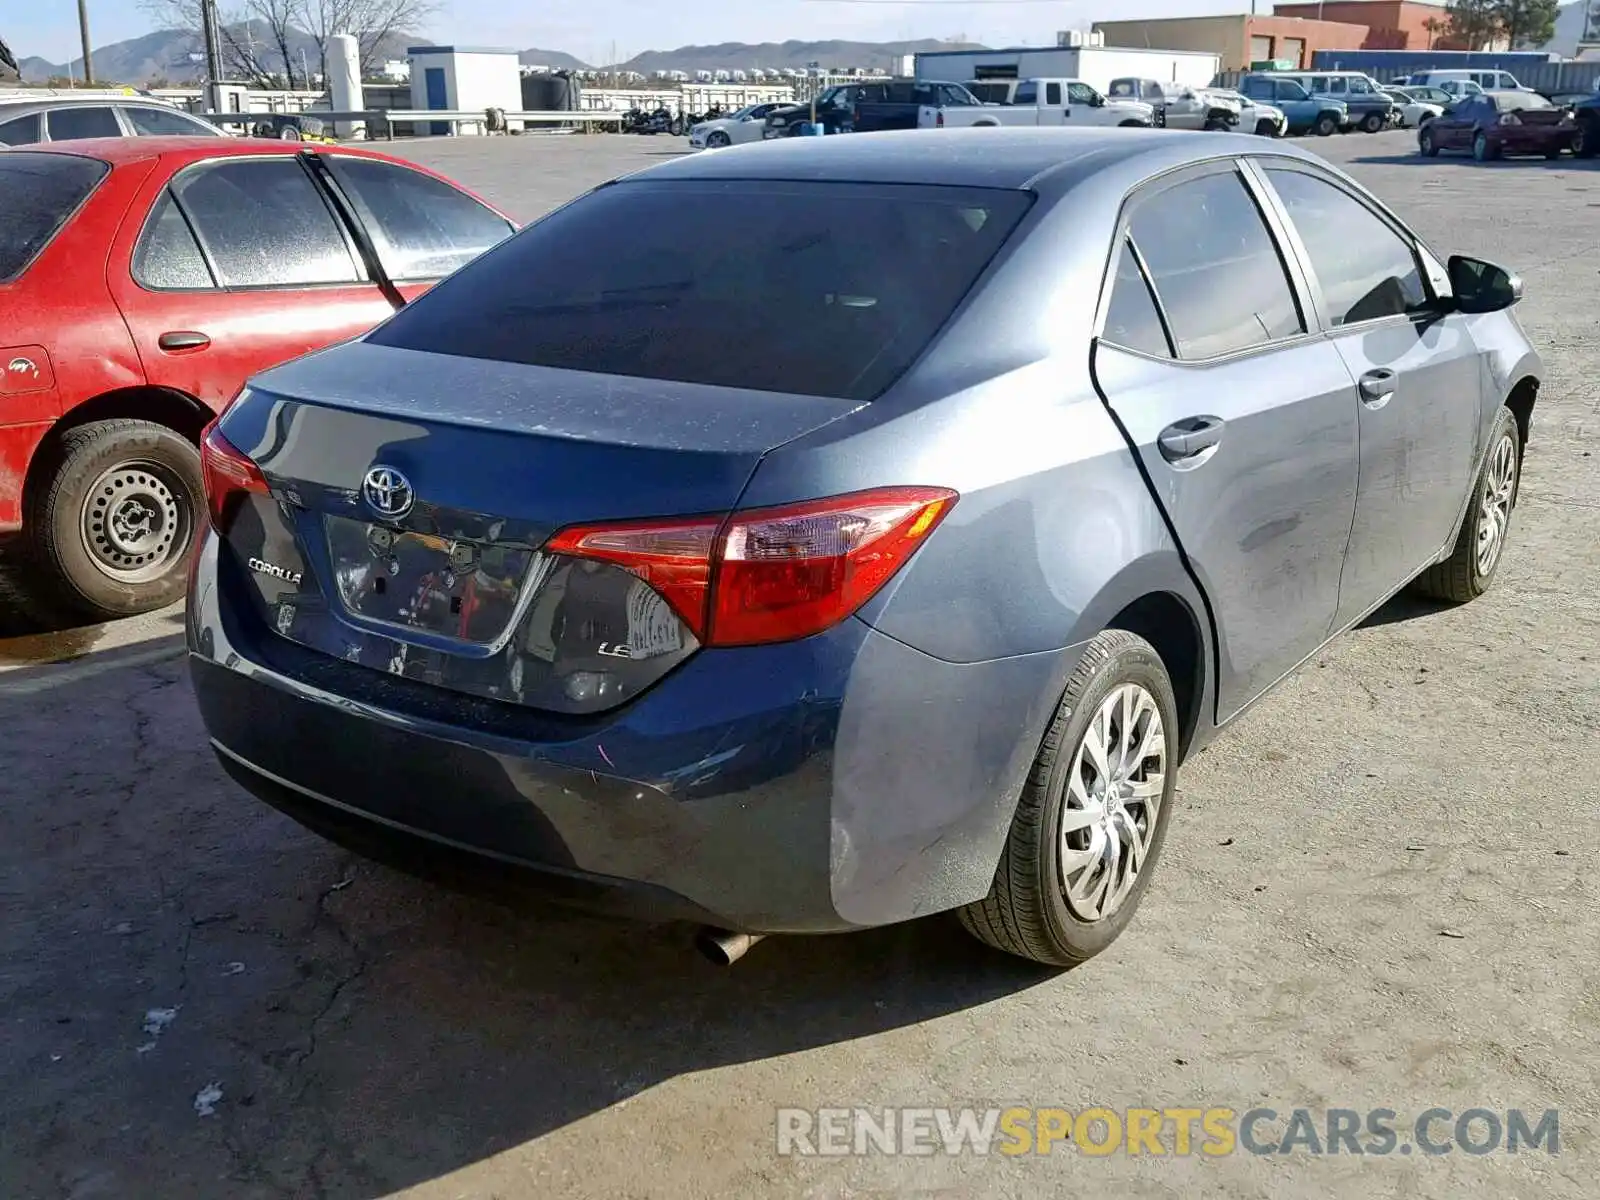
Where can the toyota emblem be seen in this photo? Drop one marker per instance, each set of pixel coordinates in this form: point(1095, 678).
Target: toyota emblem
point(388, 492)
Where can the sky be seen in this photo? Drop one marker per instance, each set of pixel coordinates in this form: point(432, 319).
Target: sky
point(589, 28)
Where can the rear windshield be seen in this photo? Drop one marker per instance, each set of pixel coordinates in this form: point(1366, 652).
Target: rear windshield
point(817, 289)
point(1507, 101)
point(41, 191)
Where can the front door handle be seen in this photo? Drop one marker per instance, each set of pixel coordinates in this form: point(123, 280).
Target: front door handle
point(1378, 383)
point(183, 339)
point(1189, 438)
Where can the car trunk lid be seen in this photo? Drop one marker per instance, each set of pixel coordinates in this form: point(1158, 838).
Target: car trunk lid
point(411, 494)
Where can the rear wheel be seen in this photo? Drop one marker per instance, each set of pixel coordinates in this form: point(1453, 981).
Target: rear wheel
point(110, 533)
point(1373, 122)
point(1327, 125)
point(289, 134)
point(1471, 567)
point(1131, 124)
point(1091, 820)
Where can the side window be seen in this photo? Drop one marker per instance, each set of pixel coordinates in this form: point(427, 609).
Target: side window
point(423, 228)
point(1132, 319)
point(153, 122)
point(1052, 93)
point(1360, 87)
point(265, 224)
point(953, 97)
point(68, 123)
point(22, 131)
point(1337, 86)
point(1217, 274)
point(1027, 93)
point(1080, 93)
point(1365, 268)
point(1258, 89)
point(168, 258)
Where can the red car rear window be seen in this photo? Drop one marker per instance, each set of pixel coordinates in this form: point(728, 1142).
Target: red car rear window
point(42, 191)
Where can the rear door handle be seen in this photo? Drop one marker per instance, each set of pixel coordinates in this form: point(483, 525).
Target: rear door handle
point(1189, 438)
point(183, 339)
point(1376, 384)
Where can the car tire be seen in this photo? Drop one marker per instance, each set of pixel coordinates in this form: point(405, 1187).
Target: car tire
point(1480, 547)
point(717, 139)
point(111, 531)
point(1327, 125)
point(1586, 139)
point(1482, 150)
point(289, 134)
point(1265, 128)
point(1426, 146)
point(1553, 153)
point(1131, 123)
point(1372, 123)
point(1028, 912)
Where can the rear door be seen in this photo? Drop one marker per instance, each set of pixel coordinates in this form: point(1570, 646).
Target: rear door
point(1243, 418)
point(239, 265)
point(421, 227)
point(82, 121)
point(1418, 375)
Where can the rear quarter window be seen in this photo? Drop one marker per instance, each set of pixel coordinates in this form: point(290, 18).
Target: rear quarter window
point(817, 289)
point(42, 192)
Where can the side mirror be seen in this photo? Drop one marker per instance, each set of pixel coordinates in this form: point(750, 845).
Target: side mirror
point(1482, 287)
point(1098, 101)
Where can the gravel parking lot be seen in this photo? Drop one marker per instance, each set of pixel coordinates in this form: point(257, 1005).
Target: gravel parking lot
point(1379, 892)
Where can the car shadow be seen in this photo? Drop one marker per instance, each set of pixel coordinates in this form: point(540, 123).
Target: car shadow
point(367, 1031)
point(1565, 162)
point(1407, 606)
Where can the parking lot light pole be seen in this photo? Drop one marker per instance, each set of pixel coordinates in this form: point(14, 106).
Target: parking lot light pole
point(88, 53)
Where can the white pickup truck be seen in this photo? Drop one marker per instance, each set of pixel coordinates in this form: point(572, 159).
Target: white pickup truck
point(1047, 102)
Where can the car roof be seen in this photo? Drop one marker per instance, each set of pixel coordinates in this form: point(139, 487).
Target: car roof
point(1012, 158)
point(19, 107)
point(118, 151)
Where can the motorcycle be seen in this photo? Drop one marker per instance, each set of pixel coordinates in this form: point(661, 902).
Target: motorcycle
point(690, 120)
point(636, 120)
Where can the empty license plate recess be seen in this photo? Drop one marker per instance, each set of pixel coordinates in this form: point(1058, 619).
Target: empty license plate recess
point(453, 588)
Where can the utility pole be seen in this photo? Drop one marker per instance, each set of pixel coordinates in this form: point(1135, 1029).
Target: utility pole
point(88, 52)
point(208, 27)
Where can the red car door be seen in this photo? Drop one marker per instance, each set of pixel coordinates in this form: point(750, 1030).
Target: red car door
point(234, 265)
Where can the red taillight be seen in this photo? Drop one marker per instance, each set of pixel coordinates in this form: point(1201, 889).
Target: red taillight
point(227, 474)
point(770, 574)
point(940, 123)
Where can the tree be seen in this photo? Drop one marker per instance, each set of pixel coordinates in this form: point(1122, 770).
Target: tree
point(1433, 27)
point(1473, 23)
point(373, 22)
point(1526, 22)
point(255, 37)
point(262, 41)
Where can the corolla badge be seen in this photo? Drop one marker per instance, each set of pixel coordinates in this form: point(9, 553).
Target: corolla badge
point(23, 366)
point(387, 492)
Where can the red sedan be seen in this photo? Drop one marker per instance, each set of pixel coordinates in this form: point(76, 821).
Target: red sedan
point(142, 281)
point(1490, 124)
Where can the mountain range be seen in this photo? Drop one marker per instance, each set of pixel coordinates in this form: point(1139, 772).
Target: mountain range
point(172, 54)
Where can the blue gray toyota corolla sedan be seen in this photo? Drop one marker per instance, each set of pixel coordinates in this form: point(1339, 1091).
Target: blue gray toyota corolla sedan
point(834, 531)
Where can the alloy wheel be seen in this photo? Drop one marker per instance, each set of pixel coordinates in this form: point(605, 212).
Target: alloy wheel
point(1494, 510)
point(136, 522)
point(1111, 803)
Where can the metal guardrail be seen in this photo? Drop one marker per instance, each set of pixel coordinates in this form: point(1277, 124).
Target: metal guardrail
point(381, 121)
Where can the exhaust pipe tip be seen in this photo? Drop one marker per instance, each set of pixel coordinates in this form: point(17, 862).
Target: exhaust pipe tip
point(722, 947)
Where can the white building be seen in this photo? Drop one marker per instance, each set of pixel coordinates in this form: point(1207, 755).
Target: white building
point(464, 79)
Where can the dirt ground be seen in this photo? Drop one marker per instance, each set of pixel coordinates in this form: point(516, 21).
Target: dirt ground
point(1379, 891)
